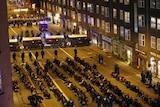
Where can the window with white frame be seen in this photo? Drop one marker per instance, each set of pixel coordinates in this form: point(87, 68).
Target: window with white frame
point(84, 5)
point(106, 0)
point(73, 14)
point(102, 10)
point(78, 4)
point(152, 3)
point(158, 44)
point(106, 11)
point(158, 4)
point(92, 21)
point(127, 34)
point(64, 12)
point(103, 24)
point(141, 20)
point(91, 8)
point(121, 31)
point(64, 2)
point(89, 20)
point(88, 6)
point(107, 27)
point(153, 22)
point(126, 2)
point(158, 23)
point(127, 17)
point(121, 14)
point(59, 1)
point(121, 1)
point(141, 39)
point(71, 3)
point(141, 3)
point(68, 12)
point(98, 22)
point(97, 9)
point(79, 17)
point(84, 18)
point(115, 29)
point(153, 42)
point(114, 13)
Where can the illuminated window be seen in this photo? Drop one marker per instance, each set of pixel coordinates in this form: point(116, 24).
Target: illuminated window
point(158, 4)
point(141, 20)
point(78, 4)
point(121, 1)
point(115, 29)
point(153, 42)
point(152, 3)
point(84, 5)
point(121, 14)
point(107, 27)
point(98, 22)
point(126, 2)
point(141, 40)
point(106, 11)
point(127, 17)
point(158, 23)
point(141, 3)
point(84, 18)
point(114, 13)
point(79, 17)
point(127, 34)
point(121, 31)
point(103, 24)
point(158, 44)
point(102, 10)
point(153, 22)
point(97, 9)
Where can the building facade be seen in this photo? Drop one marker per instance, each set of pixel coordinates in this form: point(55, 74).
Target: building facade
point(129, 29)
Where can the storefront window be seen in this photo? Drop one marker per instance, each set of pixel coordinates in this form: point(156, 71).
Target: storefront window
point(159, 68)
point(153, 65)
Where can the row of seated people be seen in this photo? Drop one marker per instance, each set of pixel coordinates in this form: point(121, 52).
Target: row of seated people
point(105, 86)
point(134, 88)
point(110, 95)
point(34, 99)
point(80, 94)
point(57, 93)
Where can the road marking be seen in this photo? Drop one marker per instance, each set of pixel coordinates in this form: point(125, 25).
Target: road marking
point(35, 28)
point(13, 30)
point(66, 53)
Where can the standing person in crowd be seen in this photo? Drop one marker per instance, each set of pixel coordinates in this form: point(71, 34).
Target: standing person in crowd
point(143, 76)
point(22, 56)
point(30, 55)
point(75, 52)
point(14, 56)
point(42, 53)
point(36, 55)
point(55, 53)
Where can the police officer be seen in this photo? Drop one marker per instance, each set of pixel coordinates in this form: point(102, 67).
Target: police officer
point(75, 52)
point(14, 56)
point(36, 55)
point(55, 53)
point(30, 55)
point(42, 54)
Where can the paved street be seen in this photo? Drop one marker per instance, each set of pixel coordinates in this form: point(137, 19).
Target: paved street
point(90, 55)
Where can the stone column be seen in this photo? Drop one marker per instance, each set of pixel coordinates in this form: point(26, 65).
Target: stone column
point(6, 98)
